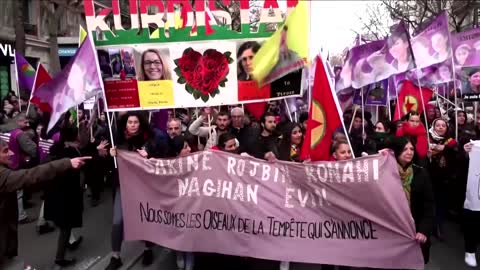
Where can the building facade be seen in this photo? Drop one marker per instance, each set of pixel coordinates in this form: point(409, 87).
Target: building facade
point(37, 46)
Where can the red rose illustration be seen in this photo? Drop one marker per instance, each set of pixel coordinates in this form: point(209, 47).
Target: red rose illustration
point(203, 74)
point(188, 62)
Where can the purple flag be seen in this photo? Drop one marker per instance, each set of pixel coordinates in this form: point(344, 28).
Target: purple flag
point(25, 72)
point(77, 82)
point(432, 45)
point(466, 48)
point(355, 58)
point(378, 60)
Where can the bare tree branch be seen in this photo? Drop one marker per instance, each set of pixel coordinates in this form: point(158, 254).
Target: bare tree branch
point(418, 12)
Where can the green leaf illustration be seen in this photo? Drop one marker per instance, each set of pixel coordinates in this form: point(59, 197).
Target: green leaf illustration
point(187, 50)
point(181, 80)
point(189, 88)
point(214, 92)
point(221, 84)
point(230, 60)
point(205, 98)
point(176, 61)
point(178, 72)
point(228, 54)
point(196, 95)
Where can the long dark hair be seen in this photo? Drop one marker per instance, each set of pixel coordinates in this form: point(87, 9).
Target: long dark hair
point(398, 145)
point(144, 132)
point(255, 46)
point(286, 142)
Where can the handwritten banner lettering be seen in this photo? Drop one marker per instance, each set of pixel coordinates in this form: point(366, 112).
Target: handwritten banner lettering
point(343, 213)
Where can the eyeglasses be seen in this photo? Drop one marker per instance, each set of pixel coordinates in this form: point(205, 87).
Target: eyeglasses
point(155, 63)
point(245, 58)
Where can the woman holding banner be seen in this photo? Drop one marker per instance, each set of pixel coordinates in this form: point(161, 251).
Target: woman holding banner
point(179, 147)
point(418, 191)
point(134, 135)
point(340, 150)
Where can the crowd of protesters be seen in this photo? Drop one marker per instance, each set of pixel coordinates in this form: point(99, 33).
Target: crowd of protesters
point(432, 165)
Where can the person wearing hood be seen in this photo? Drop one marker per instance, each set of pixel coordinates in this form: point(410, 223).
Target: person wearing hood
point(414, 128)
point(442, 153)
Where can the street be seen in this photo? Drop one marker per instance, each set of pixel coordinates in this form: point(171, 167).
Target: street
point(38, 251)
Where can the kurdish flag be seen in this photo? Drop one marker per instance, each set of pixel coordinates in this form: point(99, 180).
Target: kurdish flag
point(25, 72)
point(41, 77)
point(323, 119)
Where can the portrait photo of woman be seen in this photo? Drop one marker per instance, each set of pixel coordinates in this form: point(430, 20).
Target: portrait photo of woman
point(440, 46)
point(421, 51)
point(245, 55)
point(154, 65)
point(398, 48)
point(461, 54)
point(115, 61)
point(344, 78)
point(128, 62)
point(104, 63)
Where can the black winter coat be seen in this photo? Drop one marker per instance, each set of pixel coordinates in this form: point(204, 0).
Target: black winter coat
point(64, 195)
point(422, 205)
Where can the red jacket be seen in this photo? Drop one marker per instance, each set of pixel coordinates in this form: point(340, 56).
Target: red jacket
point(419, 133)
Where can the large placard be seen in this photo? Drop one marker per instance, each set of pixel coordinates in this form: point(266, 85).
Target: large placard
point(186, 53)
point(351, 213)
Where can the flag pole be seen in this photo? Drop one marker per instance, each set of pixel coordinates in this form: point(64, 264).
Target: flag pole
point(388, 103)
point(398, 102)
point(90, 39)
point(33, 87)
point(363, 115)
point(288, 109)
point(353, 117)
point(16, 77)
point(455, 92)
point(475, 108)
point(445, 99)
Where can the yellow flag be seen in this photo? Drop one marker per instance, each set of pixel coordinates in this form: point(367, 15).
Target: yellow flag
point(155, 34)
point(297, 31)
point(82, 35)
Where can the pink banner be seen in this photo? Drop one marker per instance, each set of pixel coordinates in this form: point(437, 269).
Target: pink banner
point(351, 213)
